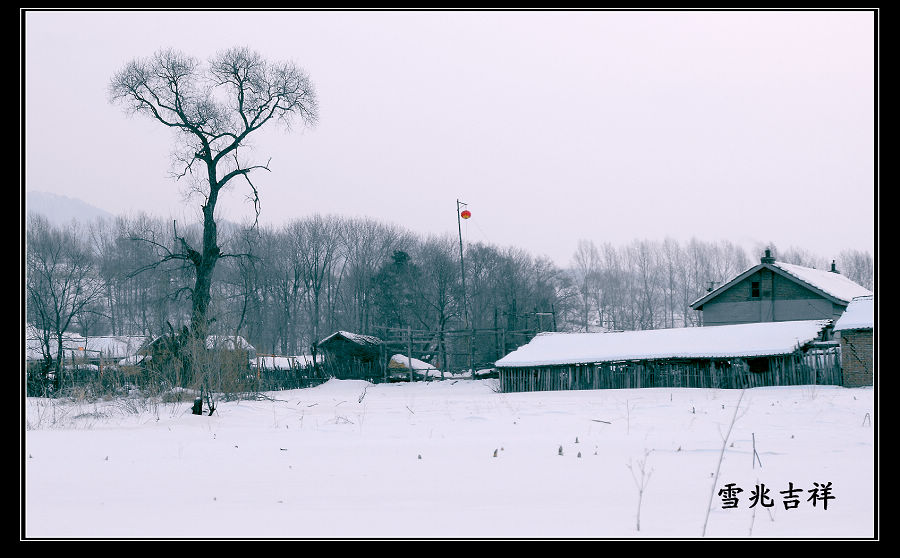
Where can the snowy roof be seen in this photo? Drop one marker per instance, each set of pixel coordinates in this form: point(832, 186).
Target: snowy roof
point(860, 314)
point(114, 346)
point(828, 283)
point(355, 337)
point(834, 284)
point(225, 342)
point(742, 340)
point(33, 342)
point(228, 342)
point(403, 361)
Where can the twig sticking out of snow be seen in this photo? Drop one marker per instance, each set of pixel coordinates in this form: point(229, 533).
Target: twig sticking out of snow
point(640, 484)
point(719, 465)
point(756, 458)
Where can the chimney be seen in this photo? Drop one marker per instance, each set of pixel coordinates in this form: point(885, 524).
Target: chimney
point(767, 259)
point(834, 269)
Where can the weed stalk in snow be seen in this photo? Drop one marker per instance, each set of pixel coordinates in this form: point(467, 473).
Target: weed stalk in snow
point(719, 465)
point(641, 483)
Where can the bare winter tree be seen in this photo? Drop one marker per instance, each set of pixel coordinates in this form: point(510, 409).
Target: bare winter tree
point(859, 266)
point(213, 109)
point(61, 283)
point(586, 274)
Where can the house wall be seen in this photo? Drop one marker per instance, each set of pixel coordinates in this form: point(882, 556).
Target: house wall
point(780, 300)
point(819, 367)
point(857, 357)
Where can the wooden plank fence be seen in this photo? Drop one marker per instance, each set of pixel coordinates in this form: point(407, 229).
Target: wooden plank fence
point(821, 367)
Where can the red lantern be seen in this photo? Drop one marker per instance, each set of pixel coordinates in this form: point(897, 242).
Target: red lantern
point(465, 214)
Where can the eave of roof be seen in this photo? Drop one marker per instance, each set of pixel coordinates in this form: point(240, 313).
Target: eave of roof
point(710, 342)
point(698, 304)
point(354, 337)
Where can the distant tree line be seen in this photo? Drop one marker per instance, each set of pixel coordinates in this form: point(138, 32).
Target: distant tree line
point(287, 287)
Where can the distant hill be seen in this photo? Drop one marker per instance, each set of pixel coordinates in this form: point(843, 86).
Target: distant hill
point(62, 209)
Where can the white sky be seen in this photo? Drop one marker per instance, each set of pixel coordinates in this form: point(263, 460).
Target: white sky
point(553, 126)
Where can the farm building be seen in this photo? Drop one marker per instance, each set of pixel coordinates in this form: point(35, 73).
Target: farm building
point(164, 345)
point(856, 327)
point(774, 291)
point(728, 356)
point(352, 356)
point(99, 350)
point(39, 341)
point(167, 355)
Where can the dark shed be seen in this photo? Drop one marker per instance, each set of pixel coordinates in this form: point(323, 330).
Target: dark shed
point(352, 356)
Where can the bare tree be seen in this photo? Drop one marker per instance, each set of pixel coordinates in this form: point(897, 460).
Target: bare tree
point(61, 283)
point(213, 110)
point(368, 243)
point(586, 274)
point(318, 244)
point(858, 266)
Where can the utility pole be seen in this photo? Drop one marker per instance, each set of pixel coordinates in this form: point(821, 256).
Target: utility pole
point(462, 269)
point(465, 214)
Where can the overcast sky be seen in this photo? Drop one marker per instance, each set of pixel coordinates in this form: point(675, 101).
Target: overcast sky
point(552, 126)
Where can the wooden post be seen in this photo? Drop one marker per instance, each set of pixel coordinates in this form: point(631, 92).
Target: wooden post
point(409, 352)
point(496, 336)
point(472, 353)
point(384, 361)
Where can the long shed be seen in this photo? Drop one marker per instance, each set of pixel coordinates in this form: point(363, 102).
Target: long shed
point(729, 356)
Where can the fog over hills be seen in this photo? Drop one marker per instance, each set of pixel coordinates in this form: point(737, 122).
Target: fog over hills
point(62, 209)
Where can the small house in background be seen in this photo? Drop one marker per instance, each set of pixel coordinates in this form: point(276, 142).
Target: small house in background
point(347, 355)
point(39, 341)
point(165, 345)
point(856, 327)
point(170, 355)
point(728, 356)
point(774, 291)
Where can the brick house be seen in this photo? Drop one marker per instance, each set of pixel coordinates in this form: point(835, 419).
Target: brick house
point(857, 327)
point(774, 291)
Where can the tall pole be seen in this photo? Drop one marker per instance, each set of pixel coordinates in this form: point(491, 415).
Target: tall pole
point(462, 273)
point(462, 270)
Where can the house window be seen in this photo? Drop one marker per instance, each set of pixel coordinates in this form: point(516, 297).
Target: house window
point(754, 289)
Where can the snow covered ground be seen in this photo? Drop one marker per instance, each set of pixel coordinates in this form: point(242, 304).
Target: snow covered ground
point(455, 459)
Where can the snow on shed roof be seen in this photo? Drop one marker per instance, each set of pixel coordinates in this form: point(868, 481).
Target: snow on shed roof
point(355, 337)
point(403, 361)
point(222, 342)
point(860, 314)
point(33, 342)
point(834, 284)
point(741, 340)
point(228, 342)
point(115, 346)
point(830, 284)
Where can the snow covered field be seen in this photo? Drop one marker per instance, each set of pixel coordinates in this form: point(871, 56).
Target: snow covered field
point(455, 459)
